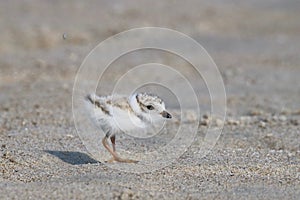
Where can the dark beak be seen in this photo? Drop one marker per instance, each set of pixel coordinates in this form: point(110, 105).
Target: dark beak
point(165, 114)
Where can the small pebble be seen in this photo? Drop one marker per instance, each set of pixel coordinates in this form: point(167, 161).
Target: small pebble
point(233, 122)
point(256, 112)
point(70, 136)
point(64, 36)
point(282, 118)
point(219, 122)
point(204, 122)
point(245, 119)
point(294, 122)
point(262, 124)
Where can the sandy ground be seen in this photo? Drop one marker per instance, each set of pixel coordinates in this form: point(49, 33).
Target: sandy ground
point(256, 47)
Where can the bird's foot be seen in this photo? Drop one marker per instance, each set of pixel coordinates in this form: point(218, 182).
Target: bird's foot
point(118, 159)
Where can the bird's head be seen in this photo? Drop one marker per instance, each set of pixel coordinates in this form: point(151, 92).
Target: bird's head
point(149, 106)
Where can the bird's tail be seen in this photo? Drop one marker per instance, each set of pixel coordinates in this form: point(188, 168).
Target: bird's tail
point(92, 98)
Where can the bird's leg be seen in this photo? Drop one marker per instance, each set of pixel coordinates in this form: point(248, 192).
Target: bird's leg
point(105, 144)
point(113, 142)
point(113, 151)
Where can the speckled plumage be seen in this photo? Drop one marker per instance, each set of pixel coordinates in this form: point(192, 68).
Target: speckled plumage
point(116, 114)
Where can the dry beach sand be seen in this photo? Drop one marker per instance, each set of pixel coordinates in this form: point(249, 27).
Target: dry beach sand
point(256, 47)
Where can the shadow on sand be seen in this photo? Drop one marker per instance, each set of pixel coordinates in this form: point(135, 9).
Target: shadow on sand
point(73, 157)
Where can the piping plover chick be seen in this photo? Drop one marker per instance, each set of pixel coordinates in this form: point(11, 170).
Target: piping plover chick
point(118, 114)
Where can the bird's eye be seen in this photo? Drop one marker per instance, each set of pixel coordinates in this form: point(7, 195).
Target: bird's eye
point(150, 107)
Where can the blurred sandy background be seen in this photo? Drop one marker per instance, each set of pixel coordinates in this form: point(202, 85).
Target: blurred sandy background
point(255, 44)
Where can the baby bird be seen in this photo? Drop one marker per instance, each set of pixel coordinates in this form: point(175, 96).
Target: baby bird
point(117, 114)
